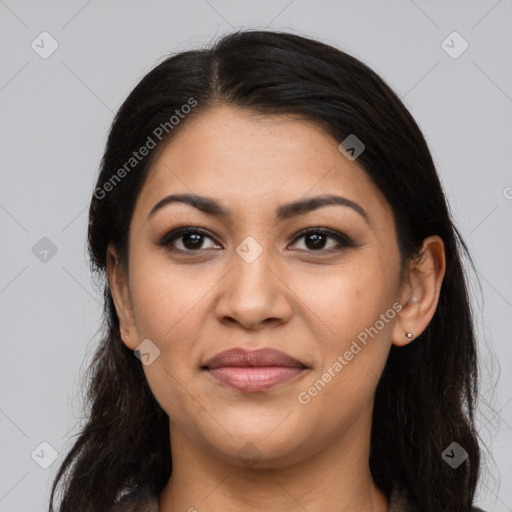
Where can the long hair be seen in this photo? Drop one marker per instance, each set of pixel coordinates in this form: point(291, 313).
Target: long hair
point(425, 397)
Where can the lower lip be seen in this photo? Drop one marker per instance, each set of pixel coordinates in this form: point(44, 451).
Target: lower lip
point(252, 379)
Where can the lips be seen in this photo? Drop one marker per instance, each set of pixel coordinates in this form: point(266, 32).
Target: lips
point(244, 358)
point(253, 371)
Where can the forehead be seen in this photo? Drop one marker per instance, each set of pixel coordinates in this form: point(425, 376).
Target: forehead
point(251, 162)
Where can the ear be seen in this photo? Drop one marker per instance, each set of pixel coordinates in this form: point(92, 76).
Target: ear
point(420, 291)
point(119, 288)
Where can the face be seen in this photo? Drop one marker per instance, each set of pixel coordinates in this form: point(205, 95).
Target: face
point(251, 278)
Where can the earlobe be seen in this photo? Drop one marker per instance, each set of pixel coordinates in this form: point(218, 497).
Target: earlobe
point(420, 292)
point(118, 283)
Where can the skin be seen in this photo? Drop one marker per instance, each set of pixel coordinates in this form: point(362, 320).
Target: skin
point(303, 301)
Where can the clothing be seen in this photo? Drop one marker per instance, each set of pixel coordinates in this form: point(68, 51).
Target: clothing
point(145, 501)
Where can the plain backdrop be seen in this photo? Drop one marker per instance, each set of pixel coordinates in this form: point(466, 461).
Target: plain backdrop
point(56, 109)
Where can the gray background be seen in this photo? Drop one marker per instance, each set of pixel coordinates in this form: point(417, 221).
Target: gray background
point(55, 113)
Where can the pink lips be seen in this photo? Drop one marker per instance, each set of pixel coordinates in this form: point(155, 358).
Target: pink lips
point(253, 371)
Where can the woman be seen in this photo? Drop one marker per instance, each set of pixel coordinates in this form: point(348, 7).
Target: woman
point(278, 254)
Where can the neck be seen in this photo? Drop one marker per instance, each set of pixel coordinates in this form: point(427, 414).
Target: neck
point(334, 478)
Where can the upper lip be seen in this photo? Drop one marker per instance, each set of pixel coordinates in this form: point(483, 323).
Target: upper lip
point(261, 357)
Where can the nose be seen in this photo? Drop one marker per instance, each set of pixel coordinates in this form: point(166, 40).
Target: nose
point(254, 295)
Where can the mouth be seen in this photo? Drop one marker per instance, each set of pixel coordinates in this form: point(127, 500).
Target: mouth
point(253, 371)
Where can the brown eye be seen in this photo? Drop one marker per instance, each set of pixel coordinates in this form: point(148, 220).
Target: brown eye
point(316, 239)
point(187, 240)
point(193, 239)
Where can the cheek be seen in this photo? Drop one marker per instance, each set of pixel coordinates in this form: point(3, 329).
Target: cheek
point(343, 300)
point(354, 318)
point(167, 297)
point(169, 310)
point(182, 402)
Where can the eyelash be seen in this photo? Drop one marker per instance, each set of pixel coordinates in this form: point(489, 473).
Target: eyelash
point(343, 240)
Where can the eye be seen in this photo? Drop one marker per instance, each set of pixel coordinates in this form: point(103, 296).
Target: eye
point(190, 239)
point(315, 240)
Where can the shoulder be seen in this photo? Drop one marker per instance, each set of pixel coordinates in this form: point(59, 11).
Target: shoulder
point(137, 500)
point(144, 500)
point(401, 501)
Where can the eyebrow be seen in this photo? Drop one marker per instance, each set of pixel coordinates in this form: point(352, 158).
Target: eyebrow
point(300, 207)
